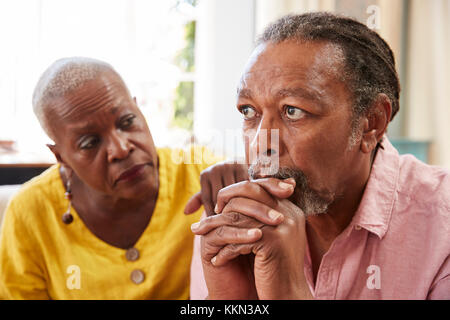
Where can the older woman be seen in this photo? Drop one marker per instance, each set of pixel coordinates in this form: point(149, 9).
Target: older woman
point(106, 222)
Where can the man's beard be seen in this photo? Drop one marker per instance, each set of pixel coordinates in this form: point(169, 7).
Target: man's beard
point(306, 198)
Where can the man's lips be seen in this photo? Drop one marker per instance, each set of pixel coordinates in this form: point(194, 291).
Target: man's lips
point(131, 173)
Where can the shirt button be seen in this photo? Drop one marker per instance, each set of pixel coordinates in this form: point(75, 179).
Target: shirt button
point(357, 227)
point(132, 254)
point(137, 276)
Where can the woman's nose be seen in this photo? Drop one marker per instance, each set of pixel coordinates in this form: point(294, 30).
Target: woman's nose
point(119, 147)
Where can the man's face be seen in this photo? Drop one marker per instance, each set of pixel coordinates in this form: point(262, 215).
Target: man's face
point(101, 134)
point(295, 88)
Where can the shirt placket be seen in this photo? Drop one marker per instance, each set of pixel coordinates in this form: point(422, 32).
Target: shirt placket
point(328, 274)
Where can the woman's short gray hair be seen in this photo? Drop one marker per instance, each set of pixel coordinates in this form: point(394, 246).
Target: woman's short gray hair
point(62, 77)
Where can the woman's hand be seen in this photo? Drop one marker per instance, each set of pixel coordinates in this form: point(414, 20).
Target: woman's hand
point(212, 180)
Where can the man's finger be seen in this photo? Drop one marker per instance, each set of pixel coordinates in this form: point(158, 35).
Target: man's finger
point(233, 219)
point(225, 235)
point(254, 209)
point(230, 252)
point(263, 190)
point(194, 203)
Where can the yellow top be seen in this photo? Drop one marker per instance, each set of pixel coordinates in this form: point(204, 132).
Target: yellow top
point(43, 258)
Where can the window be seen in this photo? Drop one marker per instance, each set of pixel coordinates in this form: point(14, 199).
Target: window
point(149, 42)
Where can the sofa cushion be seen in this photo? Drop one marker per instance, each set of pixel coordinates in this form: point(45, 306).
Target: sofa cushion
point(6, 192)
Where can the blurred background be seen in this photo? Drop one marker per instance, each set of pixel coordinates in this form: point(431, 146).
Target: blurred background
point(182, 59)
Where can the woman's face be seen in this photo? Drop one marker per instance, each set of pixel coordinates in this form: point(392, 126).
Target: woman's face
point(103, 137)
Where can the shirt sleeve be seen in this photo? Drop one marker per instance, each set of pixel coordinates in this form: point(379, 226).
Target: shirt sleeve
point(21, 273)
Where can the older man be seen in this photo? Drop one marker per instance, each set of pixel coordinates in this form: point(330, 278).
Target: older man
point(344, 217)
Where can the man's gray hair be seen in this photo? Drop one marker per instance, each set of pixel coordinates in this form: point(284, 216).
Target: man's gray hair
point(62, 77)
point(369, 66)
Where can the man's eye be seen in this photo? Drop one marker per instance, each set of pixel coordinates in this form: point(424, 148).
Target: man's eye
point(89, 143)
point(248, 112)
point(293, 113)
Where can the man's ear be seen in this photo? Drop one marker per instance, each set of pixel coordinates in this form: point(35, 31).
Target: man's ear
point(54, 149)
point(376, 122)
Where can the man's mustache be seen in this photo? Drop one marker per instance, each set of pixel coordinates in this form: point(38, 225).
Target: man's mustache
point(265, 169)
point(309, 200)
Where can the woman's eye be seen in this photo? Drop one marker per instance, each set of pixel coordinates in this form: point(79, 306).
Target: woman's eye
point(127, 122)
point(248, 112)
point(89, 143)
point(293, 113)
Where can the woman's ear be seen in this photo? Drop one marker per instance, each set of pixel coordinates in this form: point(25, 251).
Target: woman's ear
point(54, 149)
point(376, 122)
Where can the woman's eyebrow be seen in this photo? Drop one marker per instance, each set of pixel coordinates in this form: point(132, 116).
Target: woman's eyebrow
point(87, 127)
point(114, 110)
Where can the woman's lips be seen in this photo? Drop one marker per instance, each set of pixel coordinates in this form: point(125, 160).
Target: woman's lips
point(132, 173)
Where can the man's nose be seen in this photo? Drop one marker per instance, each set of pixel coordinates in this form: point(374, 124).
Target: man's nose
point(119, 147)
point(266, 141)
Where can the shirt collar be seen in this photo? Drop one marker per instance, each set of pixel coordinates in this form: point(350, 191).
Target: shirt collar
point(375, 209)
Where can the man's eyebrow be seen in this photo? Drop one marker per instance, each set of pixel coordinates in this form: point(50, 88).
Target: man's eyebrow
point(244, 93)
point(299, 92)
point(285, 92)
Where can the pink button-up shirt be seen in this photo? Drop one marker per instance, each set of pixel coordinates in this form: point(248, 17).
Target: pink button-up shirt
point(397, 245)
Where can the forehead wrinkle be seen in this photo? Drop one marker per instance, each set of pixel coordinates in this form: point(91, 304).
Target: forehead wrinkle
point(245, 93)
point(293, 86)
point(252, 80)
point(79, 105)
point(91, 125)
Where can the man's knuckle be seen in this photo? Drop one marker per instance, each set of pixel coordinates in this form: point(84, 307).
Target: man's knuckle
point(221, 193)
point(231, 205)
point(243, 185)
point(231, 248)
point(290, 222)
point(220, 231)
point(207, 172)
point(205, 222)
point(233, 217)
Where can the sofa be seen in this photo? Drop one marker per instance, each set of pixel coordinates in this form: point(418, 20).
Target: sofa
point(6, 192)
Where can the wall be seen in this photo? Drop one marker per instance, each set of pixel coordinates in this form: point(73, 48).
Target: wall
point(224, 41)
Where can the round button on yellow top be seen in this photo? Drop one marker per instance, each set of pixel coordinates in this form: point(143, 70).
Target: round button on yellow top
point(132, 254)
point(137, 276)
